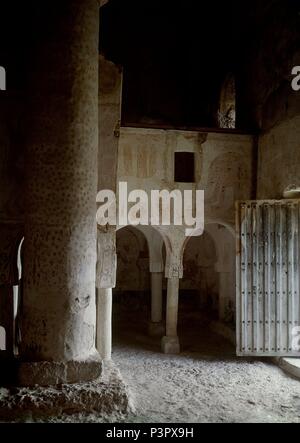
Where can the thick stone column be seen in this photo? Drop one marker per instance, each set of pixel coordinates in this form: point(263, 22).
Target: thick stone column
point(59, 309)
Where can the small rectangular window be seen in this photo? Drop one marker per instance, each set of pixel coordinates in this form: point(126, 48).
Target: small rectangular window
point(184, 167)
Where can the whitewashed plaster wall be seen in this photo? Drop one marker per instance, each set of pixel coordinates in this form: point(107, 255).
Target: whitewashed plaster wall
point(224, 169)
point(223, 165)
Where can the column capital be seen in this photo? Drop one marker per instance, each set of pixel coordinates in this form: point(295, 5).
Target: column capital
point(174, 270)
point(174, 265)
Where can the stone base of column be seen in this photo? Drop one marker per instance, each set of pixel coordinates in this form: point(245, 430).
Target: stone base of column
point(45, 373)
point(156, 329)
point(170, 345)
point(105, 396)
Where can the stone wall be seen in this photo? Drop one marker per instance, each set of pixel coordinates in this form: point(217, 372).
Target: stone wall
point(265, 96)
point(279, 159)
point(266, 99)
point(11, 157)
point(199, 270)
point(110, 91)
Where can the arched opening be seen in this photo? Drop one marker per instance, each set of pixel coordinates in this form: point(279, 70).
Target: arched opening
point(199, 285)
point(224, 238)
point(132, 302)
point(207, 290)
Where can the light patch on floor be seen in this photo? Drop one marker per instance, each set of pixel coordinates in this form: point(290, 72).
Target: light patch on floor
point(206, 383)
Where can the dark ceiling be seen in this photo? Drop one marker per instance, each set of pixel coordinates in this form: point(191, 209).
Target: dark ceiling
point(176, 54)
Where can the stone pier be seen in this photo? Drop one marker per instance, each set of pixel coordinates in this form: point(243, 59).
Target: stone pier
point(59, 312)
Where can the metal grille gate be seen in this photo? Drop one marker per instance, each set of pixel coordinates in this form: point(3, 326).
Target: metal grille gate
point(268, 283)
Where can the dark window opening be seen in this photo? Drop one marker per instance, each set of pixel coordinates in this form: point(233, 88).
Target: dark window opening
point(184, 167)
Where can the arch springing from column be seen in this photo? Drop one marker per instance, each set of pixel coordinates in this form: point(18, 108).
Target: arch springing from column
point(225, 266)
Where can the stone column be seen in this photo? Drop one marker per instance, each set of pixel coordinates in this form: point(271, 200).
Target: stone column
point(172, 307)
point(155, 244)
point(156, 292)
point(156, 328)
point(59, 309)
point(110, 98)
point(170, 343)
point(105, 281)
point(104, 323)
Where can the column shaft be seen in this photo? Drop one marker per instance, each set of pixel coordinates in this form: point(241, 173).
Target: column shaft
point(170, 343)
point(104, 323)
point(172, 307)
point(156, 297)
point(59, 313)
point(156, 327)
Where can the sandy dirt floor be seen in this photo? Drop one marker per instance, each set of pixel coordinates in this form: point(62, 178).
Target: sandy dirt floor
point(206, 383)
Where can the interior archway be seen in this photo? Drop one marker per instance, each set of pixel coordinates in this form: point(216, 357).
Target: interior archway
point(207, 290)
point(132, 294)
